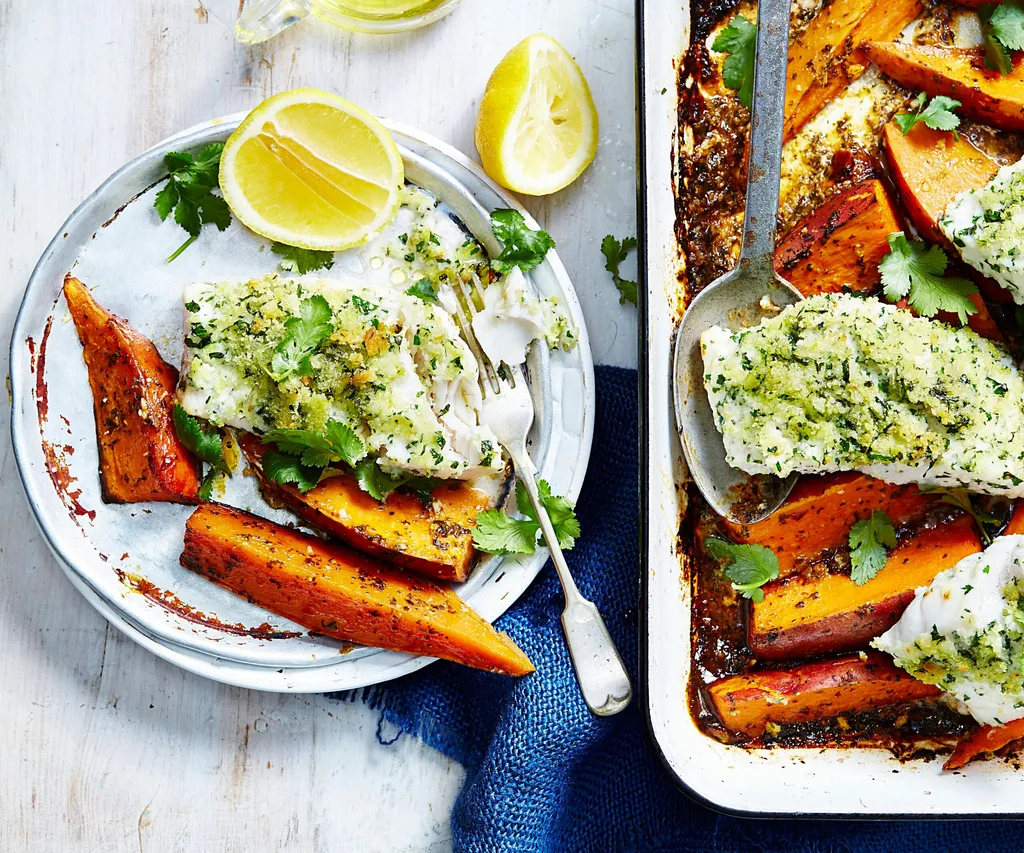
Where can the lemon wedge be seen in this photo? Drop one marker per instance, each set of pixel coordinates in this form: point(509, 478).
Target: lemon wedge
point(313, 170)
point(537, 127)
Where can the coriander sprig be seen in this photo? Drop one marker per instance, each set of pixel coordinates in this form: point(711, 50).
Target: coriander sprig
point(498, 533)
point(302, 261)
point(523, 247)
point(305, 335)
point(204, 442)
point(870, 541)
point(739, 41)
point(917, 271)
point(189, 193)
point(749, 567)
point(1002, 29)
point(337, 443)
point(615, 252)
point(305, 457)
point(937, 114)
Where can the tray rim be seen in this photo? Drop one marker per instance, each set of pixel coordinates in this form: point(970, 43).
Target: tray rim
point(390, 664)
point(653, 712)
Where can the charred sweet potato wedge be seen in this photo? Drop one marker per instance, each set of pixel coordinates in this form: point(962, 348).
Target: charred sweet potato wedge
point(986, 96)
point(813, 691)
point(839, 245)
point(141, 458)
point(930, 167)
point(335, 591)
point(805, 616)
point(983, 741)
point(819, 512)
point(828, 55)
point(434, 540)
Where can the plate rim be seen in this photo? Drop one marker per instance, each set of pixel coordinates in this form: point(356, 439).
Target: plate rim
point(210, 665)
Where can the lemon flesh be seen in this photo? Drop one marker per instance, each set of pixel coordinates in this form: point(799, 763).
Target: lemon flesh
point(537, 126)
point(310, 169)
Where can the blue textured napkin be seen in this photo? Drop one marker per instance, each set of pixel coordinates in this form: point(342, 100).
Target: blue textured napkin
point(545, 775)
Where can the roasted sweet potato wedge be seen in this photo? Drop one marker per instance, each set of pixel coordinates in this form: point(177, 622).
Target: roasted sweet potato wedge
point(930, 167)
point(435, 541)
point(812, 691)
point(1016, 523)
point(141, 458)
point(335, 591)
point(984, 740)
point(802, 617)
point(839, 245)
point(986, 96)
point(819, 512)
point(828, 56)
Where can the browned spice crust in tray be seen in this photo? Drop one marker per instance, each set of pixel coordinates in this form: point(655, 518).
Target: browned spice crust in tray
point(710, 196)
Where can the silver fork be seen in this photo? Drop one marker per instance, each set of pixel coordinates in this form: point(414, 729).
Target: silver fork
point(508, 411)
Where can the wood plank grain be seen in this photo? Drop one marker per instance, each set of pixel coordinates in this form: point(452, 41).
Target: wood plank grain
point(104, 747)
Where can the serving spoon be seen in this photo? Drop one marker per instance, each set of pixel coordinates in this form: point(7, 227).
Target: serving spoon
point(738, 299)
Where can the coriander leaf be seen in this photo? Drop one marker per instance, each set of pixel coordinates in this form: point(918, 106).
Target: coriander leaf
point(282, 468)
point(615, 253)
point(202, 440)
point(187, 215)
point(205, 167)
point(165, 200)
point(1006, 22)
point(870, 541)
point(373, 480)
point(206, 486)
point(749, 567)
point(177, 160)
point(523, 247)
point(215, 211)
point(997, 55)
point(937, 114)
point(302, 261)
point(739, 40)
point(424, 289)
point(337, 443)
point(916, 271)
point(189, 192)
point(561, 511)
point(497, 533)
point(305, 335)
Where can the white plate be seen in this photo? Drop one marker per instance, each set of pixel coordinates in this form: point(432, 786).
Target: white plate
point(116, 244)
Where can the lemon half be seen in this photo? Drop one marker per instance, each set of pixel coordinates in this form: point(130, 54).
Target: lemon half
point(310, 169)
point(537, 127)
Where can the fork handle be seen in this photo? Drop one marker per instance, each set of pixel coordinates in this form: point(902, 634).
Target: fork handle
point(602, 676)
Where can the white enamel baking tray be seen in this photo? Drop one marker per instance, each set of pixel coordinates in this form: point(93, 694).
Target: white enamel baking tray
point(115, 243)
point(853, 783)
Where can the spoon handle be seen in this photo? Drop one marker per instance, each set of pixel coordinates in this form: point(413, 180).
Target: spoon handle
point(766, 123)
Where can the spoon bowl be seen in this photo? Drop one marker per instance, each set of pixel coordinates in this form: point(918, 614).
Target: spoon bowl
point(744, 296)
point(739, 299)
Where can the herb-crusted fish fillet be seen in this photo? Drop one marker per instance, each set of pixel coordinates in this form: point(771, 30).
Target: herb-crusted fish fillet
point(386, 363)
point(987, 225)
point(965, 633)
point(839, 383)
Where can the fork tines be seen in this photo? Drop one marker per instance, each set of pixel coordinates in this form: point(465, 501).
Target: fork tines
point(469, 301)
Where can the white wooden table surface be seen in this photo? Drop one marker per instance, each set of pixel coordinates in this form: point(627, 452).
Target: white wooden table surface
point(104, 747)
